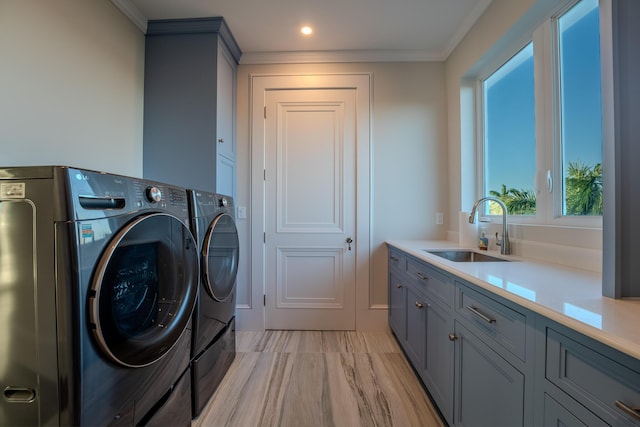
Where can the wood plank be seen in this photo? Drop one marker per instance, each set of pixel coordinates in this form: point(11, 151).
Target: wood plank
point(319, 378)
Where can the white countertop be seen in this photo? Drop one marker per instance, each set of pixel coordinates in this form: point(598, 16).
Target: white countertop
point(567, 295)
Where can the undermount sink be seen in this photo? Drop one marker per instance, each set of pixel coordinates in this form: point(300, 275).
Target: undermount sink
point(466, 256)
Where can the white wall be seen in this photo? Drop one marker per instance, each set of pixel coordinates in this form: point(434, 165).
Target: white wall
point(71, 85)
point(409, 162)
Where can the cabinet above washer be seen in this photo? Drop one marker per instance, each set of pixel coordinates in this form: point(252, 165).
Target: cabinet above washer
point(189, 102)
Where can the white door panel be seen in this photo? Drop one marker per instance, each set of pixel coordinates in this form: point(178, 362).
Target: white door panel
point(320, 271)
point(310, 209)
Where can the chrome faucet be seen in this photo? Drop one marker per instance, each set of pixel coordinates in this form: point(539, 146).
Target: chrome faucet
point(505, 246)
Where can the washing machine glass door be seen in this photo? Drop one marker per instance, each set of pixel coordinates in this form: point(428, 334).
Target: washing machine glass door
point(144, 290)
point(220, 257)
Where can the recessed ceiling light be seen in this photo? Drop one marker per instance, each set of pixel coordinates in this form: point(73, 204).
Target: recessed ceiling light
point(306, 30)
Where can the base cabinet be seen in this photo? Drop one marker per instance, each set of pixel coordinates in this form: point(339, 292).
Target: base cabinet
point(471, 383)
point(423, 324)
point(487, 361)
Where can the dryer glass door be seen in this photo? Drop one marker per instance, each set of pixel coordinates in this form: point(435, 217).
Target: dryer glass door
point(220, 257)
point(144, 290)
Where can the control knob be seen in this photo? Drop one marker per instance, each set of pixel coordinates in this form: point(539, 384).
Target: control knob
point(223, 202)
point(154, 194)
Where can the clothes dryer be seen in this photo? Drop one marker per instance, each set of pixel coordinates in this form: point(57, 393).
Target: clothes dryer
point(213, 343)
point(99, 277)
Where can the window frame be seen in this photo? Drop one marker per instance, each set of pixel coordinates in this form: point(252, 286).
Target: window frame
point(548, 126)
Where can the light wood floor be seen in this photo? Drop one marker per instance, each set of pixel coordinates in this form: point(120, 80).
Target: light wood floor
point(313, 378)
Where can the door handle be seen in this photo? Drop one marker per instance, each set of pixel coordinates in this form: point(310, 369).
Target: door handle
point(349, 241)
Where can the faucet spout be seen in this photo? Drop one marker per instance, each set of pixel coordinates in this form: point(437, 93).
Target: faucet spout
point(505, 245)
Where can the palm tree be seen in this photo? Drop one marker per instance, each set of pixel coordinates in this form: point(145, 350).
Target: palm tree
point(518, 202)
point(583, 189)
point(583, 193)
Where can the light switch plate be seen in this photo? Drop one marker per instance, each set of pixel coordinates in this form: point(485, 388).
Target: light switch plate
point(242, 212)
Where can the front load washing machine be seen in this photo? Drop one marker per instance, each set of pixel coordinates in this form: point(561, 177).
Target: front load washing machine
point(98, 281)
point(213, 344)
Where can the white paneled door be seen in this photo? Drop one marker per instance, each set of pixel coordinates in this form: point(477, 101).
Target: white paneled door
point(310, 209)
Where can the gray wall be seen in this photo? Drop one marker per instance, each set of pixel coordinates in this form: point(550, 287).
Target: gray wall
point(71, 85)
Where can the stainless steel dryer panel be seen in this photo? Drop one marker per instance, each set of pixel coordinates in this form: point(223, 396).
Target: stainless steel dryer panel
point(28, 366)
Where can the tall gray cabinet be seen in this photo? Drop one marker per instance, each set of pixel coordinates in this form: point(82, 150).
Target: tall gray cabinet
point(621, 132)
point(189, 104)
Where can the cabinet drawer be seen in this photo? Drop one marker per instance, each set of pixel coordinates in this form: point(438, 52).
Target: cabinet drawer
point(397, 260)
point(504, 325)
point(608, 388)
point(568, 413)
point(433, 283)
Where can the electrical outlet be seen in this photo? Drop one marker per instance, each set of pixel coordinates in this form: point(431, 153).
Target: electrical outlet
point(439, 218)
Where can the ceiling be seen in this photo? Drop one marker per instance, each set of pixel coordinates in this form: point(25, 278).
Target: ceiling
point(344, 30)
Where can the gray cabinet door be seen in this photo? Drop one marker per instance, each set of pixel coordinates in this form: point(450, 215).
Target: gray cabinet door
point(489, 390)
point(416, 321)
point(225, 123)
point(225, 102)
point(437, 369)
point(397, 306)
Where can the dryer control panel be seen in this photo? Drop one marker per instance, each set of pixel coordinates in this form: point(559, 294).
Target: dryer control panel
point(98, 194)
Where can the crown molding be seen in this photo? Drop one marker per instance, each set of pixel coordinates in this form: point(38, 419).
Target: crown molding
point(214, 25)
point(467, 24)
point(324, 57)
point(132, 12)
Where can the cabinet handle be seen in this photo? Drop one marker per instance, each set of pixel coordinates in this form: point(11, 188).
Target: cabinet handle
point(221, 140)
point(394, 259)
point(632, 411)
point(419, 304)
point(452, 337)
point(398, 285)
point(422, 276)
point(480, 315)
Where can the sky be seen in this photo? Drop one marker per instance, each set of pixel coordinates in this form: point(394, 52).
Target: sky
point(510, 124)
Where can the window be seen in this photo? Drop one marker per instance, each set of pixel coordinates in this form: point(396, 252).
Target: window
point(510, 134)
point(581, 109)
point(541, 123)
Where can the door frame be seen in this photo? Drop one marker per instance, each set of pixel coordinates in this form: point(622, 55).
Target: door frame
point(363, 84)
